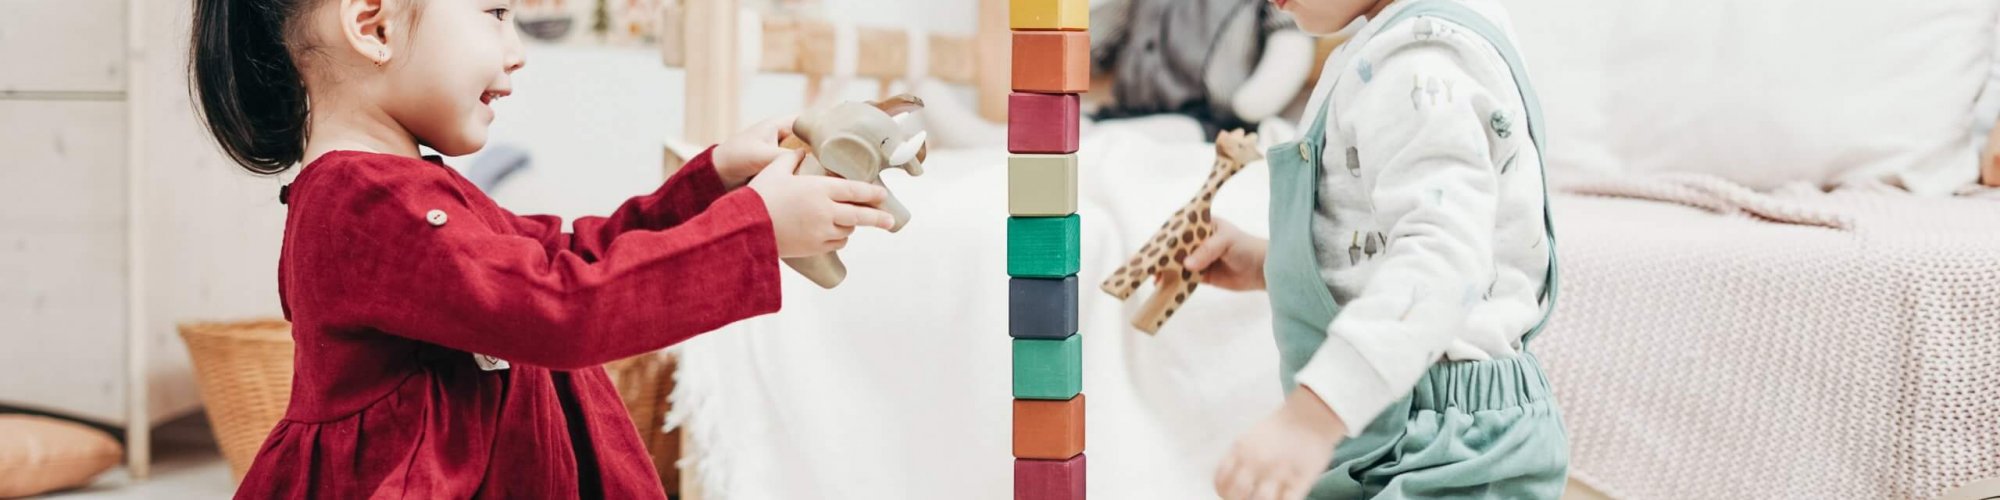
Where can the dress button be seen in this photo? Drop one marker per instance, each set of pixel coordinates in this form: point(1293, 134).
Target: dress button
point(1305, 152)
point(436, 217)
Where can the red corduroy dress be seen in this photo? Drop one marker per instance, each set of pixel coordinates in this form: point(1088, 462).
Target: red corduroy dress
point(395, 270)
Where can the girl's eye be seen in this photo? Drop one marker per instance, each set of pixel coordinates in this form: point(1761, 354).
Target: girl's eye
point(500, 13)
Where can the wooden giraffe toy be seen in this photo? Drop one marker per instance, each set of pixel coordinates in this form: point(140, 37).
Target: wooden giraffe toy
point(1185, 231)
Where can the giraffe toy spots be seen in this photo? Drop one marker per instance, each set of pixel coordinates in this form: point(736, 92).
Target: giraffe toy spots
point(1179, 236)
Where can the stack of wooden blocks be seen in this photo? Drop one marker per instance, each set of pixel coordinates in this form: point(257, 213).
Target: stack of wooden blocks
point(1051, 66)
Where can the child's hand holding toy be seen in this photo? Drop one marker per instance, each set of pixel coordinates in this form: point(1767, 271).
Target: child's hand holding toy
point(748, 152)
point(812, 215)
point(1230, 259)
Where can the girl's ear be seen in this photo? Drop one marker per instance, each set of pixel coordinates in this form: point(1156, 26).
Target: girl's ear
point(366, 27)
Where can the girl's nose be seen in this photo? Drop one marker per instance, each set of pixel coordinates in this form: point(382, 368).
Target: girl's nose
point(517, 55)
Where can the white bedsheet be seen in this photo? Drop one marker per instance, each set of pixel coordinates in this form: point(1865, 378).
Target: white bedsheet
point(1696, 355)
point(897, 384)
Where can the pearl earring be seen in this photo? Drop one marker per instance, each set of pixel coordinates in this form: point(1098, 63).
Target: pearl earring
point(381, 56)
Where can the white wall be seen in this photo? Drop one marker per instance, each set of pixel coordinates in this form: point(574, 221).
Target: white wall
point(595, 118)
point(62, 206)
point(210, 230)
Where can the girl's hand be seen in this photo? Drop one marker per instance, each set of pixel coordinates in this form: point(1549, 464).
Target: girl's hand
point(1230, 258)
point(1282, 456)
point(813, 215)
point(746, 154)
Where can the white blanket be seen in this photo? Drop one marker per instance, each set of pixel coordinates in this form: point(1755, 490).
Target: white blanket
point(1696, 355)
point(897, 384)
point(1699, 355)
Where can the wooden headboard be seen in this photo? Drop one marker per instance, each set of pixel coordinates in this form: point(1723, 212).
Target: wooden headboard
point(702, 37)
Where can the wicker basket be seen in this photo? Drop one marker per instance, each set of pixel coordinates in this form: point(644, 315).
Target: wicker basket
point(244, 370)
point(245, 373)
point(644, 381)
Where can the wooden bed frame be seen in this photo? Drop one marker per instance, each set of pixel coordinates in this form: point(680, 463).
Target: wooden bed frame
point(702, 36)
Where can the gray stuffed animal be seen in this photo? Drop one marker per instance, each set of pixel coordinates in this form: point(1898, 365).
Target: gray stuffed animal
point(1227, 63)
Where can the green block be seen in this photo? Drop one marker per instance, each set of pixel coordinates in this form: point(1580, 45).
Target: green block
point(1043, 247)
point(1048, 369)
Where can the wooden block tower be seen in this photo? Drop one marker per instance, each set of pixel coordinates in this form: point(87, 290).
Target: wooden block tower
point(1051, 66)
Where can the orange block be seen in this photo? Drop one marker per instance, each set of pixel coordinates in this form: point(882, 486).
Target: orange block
point(1051, 430)
point(1052, 62)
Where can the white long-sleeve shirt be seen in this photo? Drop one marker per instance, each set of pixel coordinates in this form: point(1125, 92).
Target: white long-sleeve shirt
point(1429, 225)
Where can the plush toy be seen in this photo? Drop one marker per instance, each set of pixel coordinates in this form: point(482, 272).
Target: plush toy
point(1179, 236)
point(857, 141)
point(1227, 63)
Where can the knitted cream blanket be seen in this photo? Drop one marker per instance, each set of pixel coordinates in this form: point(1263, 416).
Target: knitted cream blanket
point(1785, 345)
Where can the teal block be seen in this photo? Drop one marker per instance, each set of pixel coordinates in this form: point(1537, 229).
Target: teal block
point(1044, 247)
point(1048, 369)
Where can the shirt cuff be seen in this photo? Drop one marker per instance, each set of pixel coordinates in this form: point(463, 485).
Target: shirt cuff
point(1347, 383)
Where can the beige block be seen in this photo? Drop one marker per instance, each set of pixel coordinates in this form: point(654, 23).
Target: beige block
point(1041, 185)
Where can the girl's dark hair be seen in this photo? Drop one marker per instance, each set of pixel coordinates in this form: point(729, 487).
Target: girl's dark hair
point(252, 96)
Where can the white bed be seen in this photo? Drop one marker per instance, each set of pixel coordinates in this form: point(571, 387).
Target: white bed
point(1696, 355)
point(896, 384)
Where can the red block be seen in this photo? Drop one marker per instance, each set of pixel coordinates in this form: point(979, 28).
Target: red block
point(1042, 123)
point(1048, 479)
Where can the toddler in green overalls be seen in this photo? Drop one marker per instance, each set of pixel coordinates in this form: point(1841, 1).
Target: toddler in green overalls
point(1411, 261)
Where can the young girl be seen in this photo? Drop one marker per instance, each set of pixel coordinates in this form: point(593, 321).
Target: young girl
point(1411, 260)
point(396, 270)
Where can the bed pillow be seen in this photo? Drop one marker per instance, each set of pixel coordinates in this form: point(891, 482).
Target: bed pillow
point(40, 455)
point(1765, 93)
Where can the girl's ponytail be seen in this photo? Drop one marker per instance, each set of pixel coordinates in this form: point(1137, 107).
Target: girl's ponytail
point(251, 94)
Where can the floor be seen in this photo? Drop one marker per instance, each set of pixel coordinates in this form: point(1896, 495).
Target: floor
point(186, 464)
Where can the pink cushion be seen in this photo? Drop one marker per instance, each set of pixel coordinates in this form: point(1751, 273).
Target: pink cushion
point(40, 455)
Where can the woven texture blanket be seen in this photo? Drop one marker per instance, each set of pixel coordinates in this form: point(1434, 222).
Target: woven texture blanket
point(1716, 352)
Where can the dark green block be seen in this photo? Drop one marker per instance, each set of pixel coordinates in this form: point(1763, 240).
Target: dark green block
point(1043, 247)
point(1048, 369)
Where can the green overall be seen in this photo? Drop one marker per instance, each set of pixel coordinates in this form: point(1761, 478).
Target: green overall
point(1469, 429)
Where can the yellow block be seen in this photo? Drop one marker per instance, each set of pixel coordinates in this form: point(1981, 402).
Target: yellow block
point(1044, 15)
point(1041, 185)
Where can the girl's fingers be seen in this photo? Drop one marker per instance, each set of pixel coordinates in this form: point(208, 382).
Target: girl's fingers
point(765, 154)
point(852, 192)
point(776, 129)
point(851, 216)
point(784, 163)
point(832, 245)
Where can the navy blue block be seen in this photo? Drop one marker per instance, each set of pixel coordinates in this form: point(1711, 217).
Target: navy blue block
point(1040, 308)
